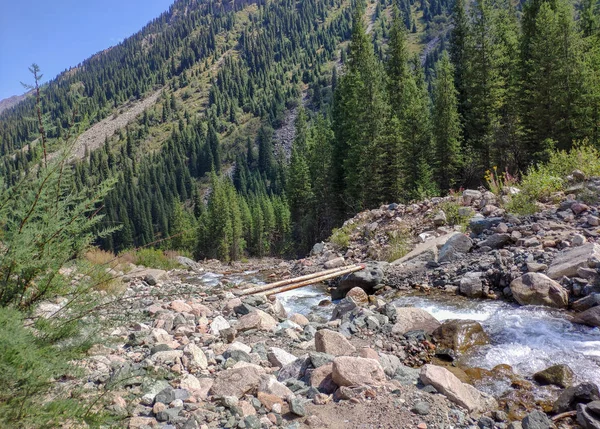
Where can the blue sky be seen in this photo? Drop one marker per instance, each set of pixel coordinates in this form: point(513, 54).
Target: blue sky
point(57, 34)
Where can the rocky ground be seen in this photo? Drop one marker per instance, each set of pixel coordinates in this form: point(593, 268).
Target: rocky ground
point(191, 353)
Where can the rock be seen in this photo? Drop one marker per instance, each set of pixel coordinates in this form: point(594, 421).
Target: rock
point(558, 375)
point(389, 363)
point(578, 240)
point(366, 279)
point(585, 303)
point(440, 218)
point(567, 263)
point(455, 248)
point(460, 335)
point(334, 263)
point(539, 289)
point(581, 394)
point(593, 220)
point(470, 195)
point(358, 295)
point(586, 416)
point(149, 275)
point(534, 267)
point(478, 224)
point(536, 420)
point(190, 382)
point(279, 357)
point(421, 408)
point(455, 390)
point(333, 343)
point(590, 317)
point(471, 285)
point(256, 319)
point(356, 371)
point(317, 249)
point(322, 378)
point(297, 407)
point(269, 400)
point(218, 324)
point(319, 359)
point(269, 384)
point(413, 319)
point(196, 356)
point(237, 381)
point(167, 357)
point(180, 306)
point(579, 208)
point(406, 375)
point(299, 319)
point(296, 369)
point(496, 241)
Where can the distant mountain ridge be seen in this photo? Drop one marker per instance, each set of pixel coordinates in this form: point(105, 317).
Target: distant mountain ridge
point(9, 102)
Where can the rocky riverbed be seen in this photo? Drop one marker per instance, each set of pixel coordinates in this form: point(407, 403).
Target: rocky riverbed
point(493, 328)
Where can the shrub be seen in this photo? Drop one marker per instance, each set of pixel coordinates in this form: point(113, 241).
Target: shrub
point(341, 236)
point(399, 244)
point(453, 217)
point(154, 258)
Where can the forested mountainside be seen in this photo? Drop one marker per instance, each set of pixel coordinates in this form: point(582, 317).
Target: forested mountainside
point(390, 102)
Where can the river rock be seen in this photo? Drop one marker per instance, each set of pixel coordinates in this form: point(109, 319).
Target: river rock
point(455, 390)
point(333, 343)
point(588, 416)
point(334, 263)
point(567, 263)
point(366, 279)
point(460, 335)
point(586, 302)
point(414, 319)
point(269, 384)
point(581, 394)
point(358, 295)
point(219, 323)
point(471, 285)
point(590, 317)
point(237, 381)
point(496, 241)
point(279, 357)
point(256, 319)
point(356, 371)
point(536, 420)
point(455, 248)
point(299, 319)
point(539, 289)
point(196, 356)
point(471, 195)
point(296, 369)
point(558, 375)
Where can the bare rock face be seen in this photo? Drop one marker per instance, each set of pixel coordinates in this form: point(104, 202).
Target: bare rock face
point(455, 390)
point(333, 343)
point(539, 289)
point(356, 371)
point(237, 381)
point(414, 319)
point(256, 319)
point(567, 263)
point(460, 335)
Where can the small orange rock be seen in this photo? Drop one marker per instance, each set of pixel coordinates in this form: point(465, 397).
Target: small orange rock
point(421, 426)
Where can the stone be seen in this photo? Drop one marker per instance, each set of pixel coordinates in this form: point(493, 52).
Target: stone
point(356, 371)
point(334, 263)
point(279, 357)
point(440, 218)
point(460, 335)
point(256, 319)
point(366, 279)
point(579, 208)
point(414, 319)
point(587, 302)
point(539, 289)
point(455, 390)
point(534, 267)
point(237, 381)
point(322, 378)
point(421, 408)
point(299, 319)
point(167, 357)
point(471, 195)
point(471, 285)
point(593, 220)
point(218, 324)
point(195, 356)
point(581, 394)
point(578, 240)
point(455, 248)
point(269, 400)
point(406, 375)
point(496, 241)
point(141, 422)
point(333, 343)
point(590, 317)
point(536, 420)
point(478, 223)
point(190, 382)
point(269, 384)
point(296, 369)
point(180, 306)
point(586, 416)
point(558, 375)
point(567, 263)
point(297, 407)
point(358, 295)
point(317, 249)
point(390, 364)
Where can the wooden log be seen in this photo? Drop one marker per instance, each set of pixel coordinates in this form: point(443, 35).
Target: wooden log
point(337, 271)
point(564, 415)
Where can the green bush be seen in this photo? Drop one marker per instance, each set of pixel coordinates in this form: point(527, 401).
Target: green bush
point(341, 236)
point(398, 245)
point(453, 217)
point(154, 258)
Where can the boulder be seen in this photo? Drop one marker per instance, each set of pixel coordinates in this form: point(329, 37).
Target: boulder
point(455, 248)
point(588, 416)
point(471, 285)
point(567, 263)
point(590, 317)
point(539, 289)
point(471, 195)
point(296, 369)
point(414, 319)
point(536, 420)
point(279, 357)
point(299, 319)
point(356, 371)
point(149, 275)
point(334, 263)
point(424, 252)
point(237, 381)
point(269, 384)
point(366, 279)
point(558, 375)
point(587, 302)
point(322, 378)
point(256, 319)
point(581, 394)
point(333, 343)
point(460, 335)
point(190, 382)
point(478, 223)
point(495, 241)
point(455, 390)
point(358, 295)
point(196, 356)
point(219, 323)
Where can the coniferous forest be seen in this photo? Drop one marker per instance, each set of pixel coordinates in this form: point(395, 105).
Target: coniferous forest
point(388, 102)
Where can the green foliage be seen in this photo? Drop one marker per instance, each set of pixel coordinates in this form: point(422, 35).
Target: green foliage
point(453, 216)
point(153, 258)
point(398, 245)
point(341, 236)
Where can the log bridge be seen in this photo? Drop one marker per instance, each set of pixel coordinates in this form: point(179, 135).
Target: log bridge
point(298, 282)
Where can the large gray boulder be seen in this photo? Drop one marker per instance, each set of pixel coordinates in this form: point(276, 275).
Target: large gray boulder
point(590, 317)
point(333, 343)
point(455, 248)
point(357, 371)
point(471, 285)
point(568, 262)
point(414, 319)
point(237, 381)
point(366, 279)
point(539, 289)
